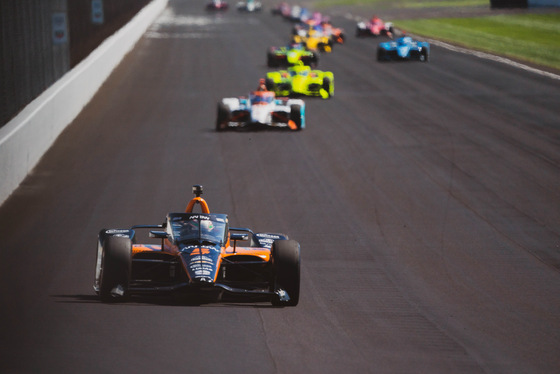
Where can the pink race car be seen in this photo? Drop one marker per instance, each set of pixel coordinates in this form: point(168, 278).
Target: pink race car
point(217, 5)
point(374, 27)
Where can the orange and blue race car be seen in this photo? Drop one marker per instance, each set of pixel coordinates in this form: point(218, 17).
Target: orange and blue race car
point(199, 255)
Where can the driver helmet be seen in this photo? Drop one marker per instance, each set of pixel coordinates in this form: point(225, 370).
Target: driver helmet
point(262, 85)
point(207, 225)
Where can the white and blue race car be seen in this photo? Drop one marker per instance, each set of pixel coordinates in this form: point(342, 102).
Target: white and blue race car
point(262, 109)
point(249, 6)
point(404, 48)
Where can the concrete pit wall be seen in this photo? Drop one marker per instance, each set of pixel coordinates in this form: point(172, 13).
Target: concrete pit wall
point(25, 139)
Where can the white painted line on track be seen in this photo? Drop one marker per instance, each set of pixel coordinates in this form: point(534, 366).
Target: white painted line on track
point(492, 57)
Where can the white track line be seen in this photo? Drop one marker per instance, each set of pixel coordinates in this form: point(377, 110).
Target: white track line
point(492, 57)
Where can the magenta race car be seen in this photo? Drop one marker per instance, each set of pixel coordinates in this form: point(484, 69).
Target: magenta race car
point(217, 5)
point(374, 27)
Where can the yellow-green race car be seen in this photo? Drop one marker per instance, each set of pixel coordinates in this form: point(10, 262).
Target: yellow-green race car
point(301, 80)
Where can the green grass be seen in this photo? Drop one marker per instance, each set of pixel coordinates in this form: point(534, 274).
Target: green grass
point(530, 37)
point(534, 38)
point(384, 4)
point(442, 3)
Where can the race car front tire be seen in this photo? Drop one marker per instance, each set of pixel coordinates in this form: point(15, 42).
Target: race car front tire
point(286, 265)
point(114, 274)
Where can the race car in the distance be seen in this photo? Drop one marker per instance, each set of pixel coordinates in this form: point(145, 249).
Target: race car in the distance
point(301, 80)
point(336, 33)
point(262, 109)
point(249, 6)
point(217, 5)
point(299, 14)
point(198, 254)
point(374, 27)
point(314, 39)
point(291, 55)
point(282, 9)
point(322, 27)
point(404, 48)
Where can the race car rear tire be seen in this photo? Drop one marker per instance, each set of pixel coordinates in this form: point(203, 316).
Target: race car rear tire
point(271, 61)
point(222, 117)
point(359, 32)
point(310, 60)
point(269, 84)
point(286, 265)
point(315, 60)
point(295, 115)
point(115, 267)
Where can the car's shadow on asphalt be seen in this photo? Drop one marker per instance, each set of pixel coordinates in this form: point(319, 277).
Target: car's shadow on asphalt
point(256, 129)
point(171, 300)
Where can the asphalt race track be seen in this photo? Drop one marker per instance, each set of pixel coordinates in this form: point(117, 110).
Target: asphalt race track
point(425, 197)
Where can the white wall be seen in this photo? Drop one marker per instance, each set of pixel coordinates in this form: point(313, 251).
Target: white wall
point(25, 139)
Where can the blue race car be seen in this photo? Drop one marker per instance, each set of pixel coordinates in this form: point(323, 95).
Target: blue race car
point(404, 48)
